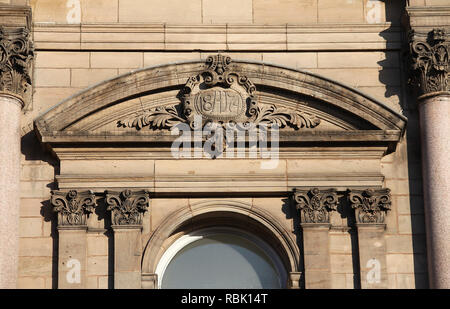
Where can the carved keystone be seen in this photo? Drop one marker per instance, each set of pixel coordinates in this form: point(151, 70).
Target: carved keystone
point(315, 204)
point(370, 205)
point(127, 207)
point(73, 207)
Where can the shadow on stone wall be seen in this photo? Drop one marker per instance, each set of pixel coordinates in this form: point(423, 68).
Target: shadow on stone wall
point(104, 215)
point(395, 13)
point(50, 216)
point(288, 208)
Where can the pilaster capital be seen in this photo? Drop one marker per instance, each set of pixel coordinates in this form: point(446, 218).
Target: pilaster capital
point(315, 204)
point(430, 61)
point(127, 207)
point(73, 207)
point(370, 205)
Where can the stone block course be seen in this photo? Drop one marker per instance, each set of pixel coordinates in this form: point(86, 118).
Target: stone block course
point(344, 11)
point(62, 59)
point(116, 60)
point(30, 227)
point(35, 246)
point(230, 11)
point(284, 11)
point(170, 11)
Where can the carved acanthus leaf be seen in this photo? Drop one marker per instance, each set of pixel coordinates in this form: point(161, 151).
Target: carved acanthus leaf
point(314, 205)
point(167, 117)
point(219, 94)
point(370, 205)
point(430, 61)
point(159, 118)
point(270, 115)
point(127, 207)
point(73, 206)
point(16, 55)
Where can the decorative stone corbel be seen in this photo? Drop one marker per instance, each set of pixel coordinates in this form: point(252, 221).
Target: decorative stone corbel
point(127, 207)
point(73, 207)
point(430, 60)
point(16, 56)
point(370, 205)
point(315, 204)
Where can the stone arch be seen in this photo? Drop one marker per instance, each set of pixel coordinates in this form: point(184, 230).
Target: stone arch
point(221, 213)
point(358, 116)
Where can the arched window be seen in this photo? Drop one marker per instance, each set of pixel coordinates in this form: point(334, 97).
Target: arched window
point(220, 258)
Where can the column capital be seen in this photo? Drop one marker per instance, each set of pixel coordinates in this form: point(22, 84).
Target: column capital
point(16, 56)
point(315, 204)
point(430, 61)
point(73, 208)
point(370, 205)
point(127, 207)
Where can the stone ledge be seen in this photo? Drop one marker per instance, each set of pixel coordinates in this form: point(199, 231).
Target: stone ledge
point(220, 36)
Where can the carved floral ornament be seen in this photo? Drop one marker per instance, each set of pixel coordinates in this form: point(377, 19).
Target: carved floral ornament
point(370, 205)
point(16, 55)
point(315, 204)
point(127, 207)
point(73, 206)
point(219, 95)
point(430, 61)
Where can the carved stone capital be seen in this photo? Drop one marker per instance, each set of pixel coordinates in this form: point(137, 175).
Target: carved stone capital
point(127, 207)
point(72, 207)
point(315, 204)
point(370, 205)
point(430, 60)
point(16, 55)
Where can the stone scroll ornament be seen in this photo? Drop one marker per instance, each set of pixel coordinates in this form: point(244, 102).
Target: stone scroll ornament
point(430, 61)
point(127, 207)
point(370, 205)
point(73, 207)
point(220, 95)
point(16, 55)
point(314, 205)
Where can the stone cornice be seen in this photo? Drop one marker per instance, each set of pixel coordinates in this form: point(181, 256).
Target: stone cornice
point(15, 16)
point(225, 37)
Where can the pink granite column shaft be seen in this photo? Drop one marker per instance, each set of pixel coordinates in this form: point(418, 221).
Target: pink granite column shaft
point(435, 137)
point(10, 108)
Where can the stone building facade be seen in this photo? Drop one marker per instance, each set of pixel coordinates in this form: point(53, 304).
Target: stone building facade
point(92, 93)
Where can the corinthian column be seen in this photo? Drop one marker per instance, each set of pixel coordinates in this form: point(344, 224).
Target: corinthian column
point(430, 58)
point(16, 53)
